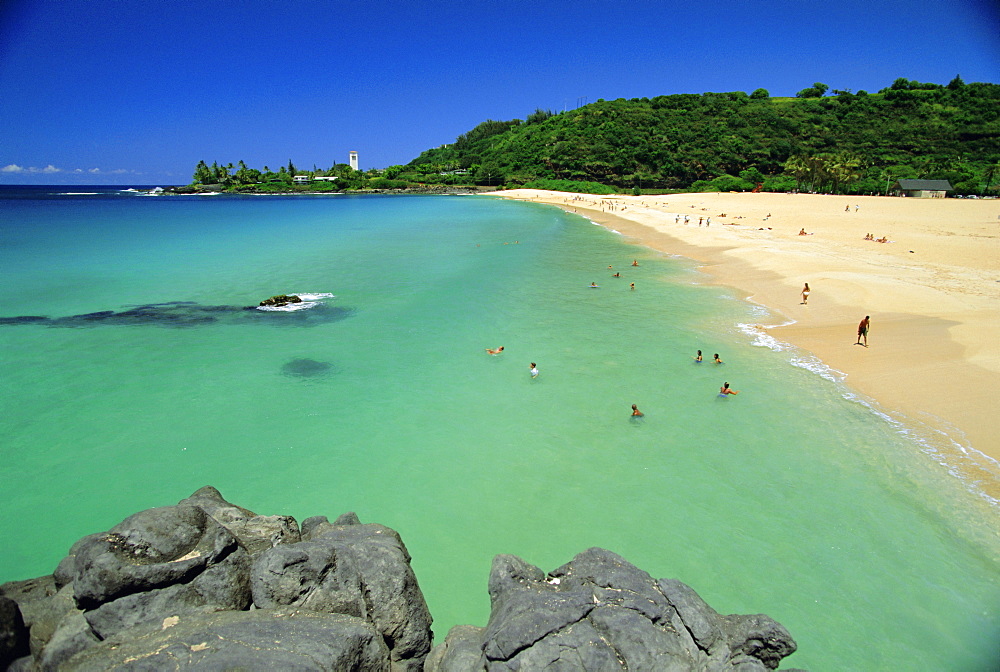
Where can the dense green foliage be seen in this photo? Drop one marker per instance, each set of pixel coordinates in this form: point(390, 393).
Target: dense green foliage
point(251, 180)
point(846, 142)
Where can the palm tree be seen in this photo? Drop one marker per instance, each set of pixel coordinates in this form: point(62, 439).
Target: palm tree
point(988, 176)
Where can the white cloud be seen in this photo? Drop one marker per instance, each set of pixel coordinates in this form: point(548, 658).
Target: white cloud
point(14, 168)
point(49, 169)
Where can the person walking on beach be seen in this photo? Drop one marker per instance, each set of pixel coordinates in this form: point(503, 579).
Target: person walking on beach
point(534, 370)
point(725, 389)
point(863, 331)
point(805, 294)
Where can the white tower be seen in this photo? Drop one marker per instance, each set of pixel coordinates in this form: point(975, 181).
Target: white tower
point(354, 160)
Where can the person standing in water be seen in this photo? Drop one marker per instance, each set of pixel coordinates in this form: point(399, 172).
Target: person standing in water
point(697, 358)
point(805, 294)
point(725, 389)
point(863, 331)
point(636, 413)
point(717, 360)
point(534, 370)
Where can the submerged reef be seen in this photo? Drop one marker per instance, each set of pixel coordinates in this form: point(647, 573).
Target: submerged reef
point(206, 584)
point(189, 314)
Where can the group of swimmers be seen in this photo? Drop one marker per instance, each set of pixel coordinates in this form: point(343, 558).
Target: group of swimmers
point(617, 274)
point(698, 358)
point(724, 391)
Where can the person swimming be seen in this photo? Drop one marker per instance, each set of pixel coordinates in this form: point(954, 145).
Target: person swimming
point(494, 352)
point(725, 389)
point(636, 413)
point(717, 360)
point(697, 358)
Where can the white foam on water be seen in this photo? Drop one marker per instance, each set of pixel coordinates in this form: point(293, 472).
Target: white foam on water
point(939, 445)
point(763, 339)
point(289, 308)
point(313, 296)
point(79, 193)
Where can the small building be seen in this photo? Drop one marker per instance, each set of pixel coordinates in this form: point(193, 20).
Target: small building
point(354, 160)
point(922, 188)
point(301, 179)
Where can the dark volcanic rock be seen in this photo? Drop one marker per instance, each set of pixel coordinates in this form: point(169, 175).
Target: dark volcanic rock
point(280, 639)
point(13, 633)
point(255, 533)
point(280, 300)
point(157, 563)
point(599, 612)
point(354, 569)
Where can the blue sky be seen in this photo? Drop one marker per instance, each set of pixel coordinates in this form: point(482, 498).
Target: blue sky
point(116, 92)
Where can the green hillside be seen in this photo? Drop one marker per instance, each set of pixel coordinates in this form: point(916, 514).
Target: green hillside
point(843, 142)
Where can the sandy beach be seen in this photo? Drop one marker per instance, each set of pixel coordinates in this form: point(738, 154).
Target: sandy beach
point(932, 291)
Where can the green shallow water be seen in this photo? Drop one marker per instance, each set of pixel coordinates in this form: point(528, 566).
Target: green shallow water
point(791, 499)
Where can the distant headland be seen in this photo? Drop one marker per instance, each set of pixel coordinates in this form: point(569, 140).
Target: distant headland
point(820, 141)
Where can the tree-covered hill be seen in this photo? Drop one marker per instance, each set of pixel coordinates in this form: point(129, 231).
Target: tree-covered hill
point(844, 142)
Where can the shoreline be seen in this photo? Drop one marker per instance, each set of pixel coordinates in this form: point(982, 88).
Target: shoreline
point(935, 311)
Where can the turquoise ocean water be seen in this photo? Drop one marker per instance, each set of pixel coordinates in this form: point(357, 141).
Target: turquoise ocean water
point(792, 499)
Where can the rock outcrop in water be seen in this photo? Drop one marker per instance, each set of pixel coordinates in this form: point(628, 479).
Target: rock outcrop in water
point(280, 300)
point(207, 584)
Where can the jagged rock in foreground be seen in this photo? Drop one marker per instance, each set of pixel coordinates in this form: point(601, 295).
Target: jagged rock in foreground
point(264, 639)
point(598, 612)
point(209, 585)
point(170, 588)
